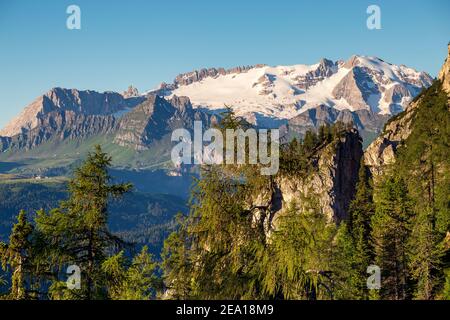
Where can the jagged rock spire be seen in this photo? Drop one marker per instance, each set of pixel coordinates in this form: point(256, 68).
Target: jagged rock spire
point(131, 92)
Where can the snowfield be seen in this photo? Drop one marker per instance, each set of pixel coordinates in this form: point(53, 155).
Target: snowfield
point(282, 92)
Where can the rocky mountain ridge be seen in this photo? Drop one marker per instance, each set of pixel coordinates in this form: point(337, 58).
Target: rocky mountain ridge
point(367, 122)
point(86, 102)
point(155, 118)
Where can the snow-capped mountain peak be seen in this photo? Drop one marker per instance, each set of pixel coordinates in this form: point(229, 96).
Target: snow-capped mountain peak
point(264, 93)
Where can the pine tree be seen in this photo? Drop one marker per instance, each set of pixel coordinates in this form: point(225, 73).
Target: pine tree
point(177, 265)
point(425, 253)
point(445, 293)
point(77, 232)
point(325, 134)
point(226, 249)
point(131, 281)
point(17, 255)
point(310, 141)
point(361, 210)
point(391, 227)
point(2, 283)
point(298, 262)
point(423, 162)
point(348, 274)
point(212, 254)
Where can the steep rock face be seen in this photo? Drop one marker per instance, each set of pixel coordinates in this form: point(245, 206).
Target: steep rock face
point(5, 142)
point(59, 99)
point(332, 183)
point(382, 150)
point(356, 88)
point(444, 74)
point(155, 118)
point(335, 179)
point(60, 125)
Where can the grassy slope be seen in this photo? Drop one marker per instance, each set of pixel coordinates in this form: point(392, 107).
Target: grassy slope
point(63, 156)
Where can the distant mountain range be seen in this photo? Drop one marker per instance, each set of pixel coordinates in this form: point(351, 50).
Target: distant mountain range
point(61, 124)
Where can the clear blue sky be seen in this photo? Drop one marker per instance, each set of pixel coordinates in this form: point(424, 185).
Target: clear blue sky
point(146, 42)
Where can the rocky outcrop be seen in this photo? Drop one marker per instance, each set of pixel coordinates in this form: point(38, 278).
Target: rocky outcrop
point(131, 92)
point(5, 142)
point(332, 183)
point(382, 150)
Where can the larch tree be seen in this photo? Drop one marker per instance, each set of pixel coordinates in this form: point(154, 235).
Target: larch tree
point(77, 232)
point(17, 257)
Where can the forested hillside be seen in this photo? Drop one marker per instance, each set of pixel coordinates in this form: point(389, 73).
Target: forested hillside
point(141, 218)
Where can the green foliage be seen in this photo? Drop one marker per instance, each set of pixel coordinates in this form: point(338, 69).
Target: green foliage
point(423, 165)
point(225, 247)
point(78, 229)
point(131, 281)
point(137, 217)
point(177, 264)
point(425, 253)
point(391, 227)
point(76, 233)
point(445, 294)
point(297, 264)
point(213, 254)
point(17, 256)
point(423, 160)
point(297, 157)
point(349, 266)
point(361, 211)
point(412, 215)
